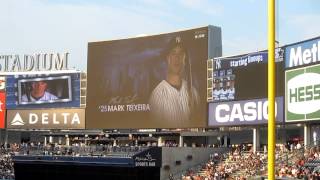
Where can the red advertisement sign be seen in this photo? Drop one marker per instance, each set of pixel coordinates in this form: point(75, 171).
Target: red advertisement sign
point(2, 109)
point(2, 83)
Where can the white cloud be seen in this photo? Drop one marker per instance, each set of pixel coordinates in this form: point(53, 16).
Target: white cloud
point(242, 45)
point(155, 3)
point(204, 6)
point(304, 25)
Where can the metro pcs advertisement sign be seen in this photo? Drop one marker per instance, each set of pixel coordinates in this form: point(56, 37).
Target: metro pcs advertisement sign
point(303, 54)
point(249, 112)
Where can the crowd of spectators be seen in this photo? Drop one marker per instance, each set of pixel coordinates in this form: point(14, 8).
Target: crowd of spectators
point(210, 170)
point(9, 150)
point(292, 162)
point(300, 163)
point(6, 164)
point(228, 166)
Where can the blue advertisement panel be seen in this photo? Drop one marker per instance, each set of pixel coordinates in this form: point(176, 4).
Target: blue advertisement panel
point(242, 60)
point(302, 54)
point(242, 77)
point(36, 91)
point(249, 112)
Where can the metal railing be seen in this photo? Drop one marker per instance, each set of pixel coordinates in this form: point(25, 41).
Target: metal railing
point(96, 150)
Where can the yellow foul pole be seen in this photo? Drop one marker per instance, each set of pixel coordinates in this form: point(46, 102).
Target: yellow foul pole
point(271, 89)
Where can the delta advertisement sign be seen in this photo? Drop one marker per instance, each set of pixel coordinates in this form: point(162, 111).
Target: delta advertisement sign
point(46, 119)
point(302, 54)
point(303, 94)
point(248, 112)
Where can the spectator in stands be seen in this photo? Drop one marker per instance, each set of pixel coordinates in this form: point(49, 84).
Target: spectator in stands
point(298, 146)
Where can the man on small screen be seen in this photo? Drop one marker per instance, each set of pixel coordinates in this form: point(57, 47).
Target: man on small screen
point(223, 91)
point(216, 90)
point(230, 89)
point(38, 92)
point(174, 99)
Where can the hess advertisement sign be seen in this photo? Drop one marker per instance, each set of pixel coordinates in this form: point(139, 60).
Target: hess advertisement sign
point(303, 94)
point(46, 119)
point(249, 112)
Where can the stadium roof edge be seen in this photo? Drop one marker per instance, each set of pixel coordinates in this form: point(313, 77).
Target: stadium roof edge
point(305, 40)
point(40, 72)
point(253, 52)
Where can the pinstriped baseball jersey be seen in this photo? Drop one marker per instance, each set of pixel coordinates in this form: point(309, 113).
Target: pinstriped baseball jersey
point(170, 105)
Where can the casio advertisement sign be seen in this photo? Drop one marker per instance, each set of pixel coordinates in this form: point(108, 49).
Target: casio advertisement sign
point(303, 53)
point(248, 112)
point(303, 94)
point(46, 119)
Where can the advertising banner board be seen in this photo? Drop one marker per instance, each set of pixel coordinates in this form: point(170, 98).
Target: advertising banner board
point(149, 158)
point(248, 112)
point(302, 54)
point(2, 83)
point(46, 119)
point(2, 109)
point(302, 94)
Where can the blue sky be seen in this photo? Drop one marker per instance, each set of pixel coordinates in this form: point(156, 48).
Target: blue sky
point(32, 26)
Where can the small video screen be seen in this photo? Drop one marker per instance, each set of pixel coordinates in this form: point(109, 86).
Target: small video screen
point(44, 90)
